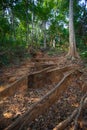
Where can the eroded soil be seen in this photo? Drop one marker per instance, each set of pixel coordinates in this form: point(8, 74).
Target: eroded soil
point(16, 105)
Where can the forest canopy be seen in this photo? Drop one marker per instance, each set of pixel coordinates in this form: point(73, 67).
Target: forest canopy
point(39, 23)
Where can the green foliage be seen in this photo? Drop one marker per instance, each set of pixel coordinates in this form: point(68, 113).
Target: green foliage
point(21, 25)
point(56, 51)
point(84, 55)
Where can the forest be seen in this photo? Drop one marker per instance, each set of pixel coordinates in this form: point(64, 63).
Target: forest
point(41, 24)
point(43, 65)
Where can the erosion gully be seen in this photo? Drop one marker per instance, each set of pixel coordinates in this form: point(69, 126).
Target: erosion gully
point(25, 103)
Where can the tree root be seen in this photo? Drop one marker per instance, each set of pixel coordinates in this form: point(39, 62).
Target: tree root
point(41, 106)
point(79, 111)
point(62, 125)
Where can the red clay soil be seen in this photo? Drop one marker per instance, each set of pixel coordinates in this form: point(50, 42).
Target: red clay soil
point(10, 74)
point(15, 106)
point(63, 108)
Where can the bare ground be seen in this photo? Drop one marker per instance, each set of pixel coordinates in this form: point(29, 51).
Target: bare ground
point(13, 107)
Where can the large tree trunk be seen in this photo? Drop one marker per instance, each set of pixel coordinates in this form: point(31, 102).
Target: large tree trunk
point(72, 48)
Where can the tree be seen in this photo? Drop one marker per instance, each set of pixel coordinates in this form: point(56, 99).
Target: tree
point(44, 9)
point(72, 47)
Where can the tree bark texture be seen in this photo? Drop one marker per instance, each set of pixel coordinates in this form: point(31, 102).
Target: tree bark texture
point(72, 42)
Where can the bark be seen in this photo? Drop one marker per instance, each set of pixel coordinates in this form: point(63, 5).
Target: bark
point(53, 43)
point(79, 111)
point(32, 22)
point(72, 48)
point(27, 23)
point(32, 25)
point(75, 115)
point(44, 29)
point(13, 24)
point(62, 125)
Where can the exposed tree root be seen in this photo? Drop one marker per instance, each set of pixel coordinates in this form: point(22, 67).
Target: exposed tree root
point(72, 56)
point(41, 106)
point(62, 125)
point(82, 103)
point(44, 59)
point(38, 79)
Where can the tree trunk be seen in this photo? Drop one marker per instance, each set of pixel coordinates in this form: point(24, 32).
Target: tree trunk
point(44, 29)
point(27, 22)
point(13, 24)
point(53, 43)
point(32, 27)
point(32, 33)
point(72, 48)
